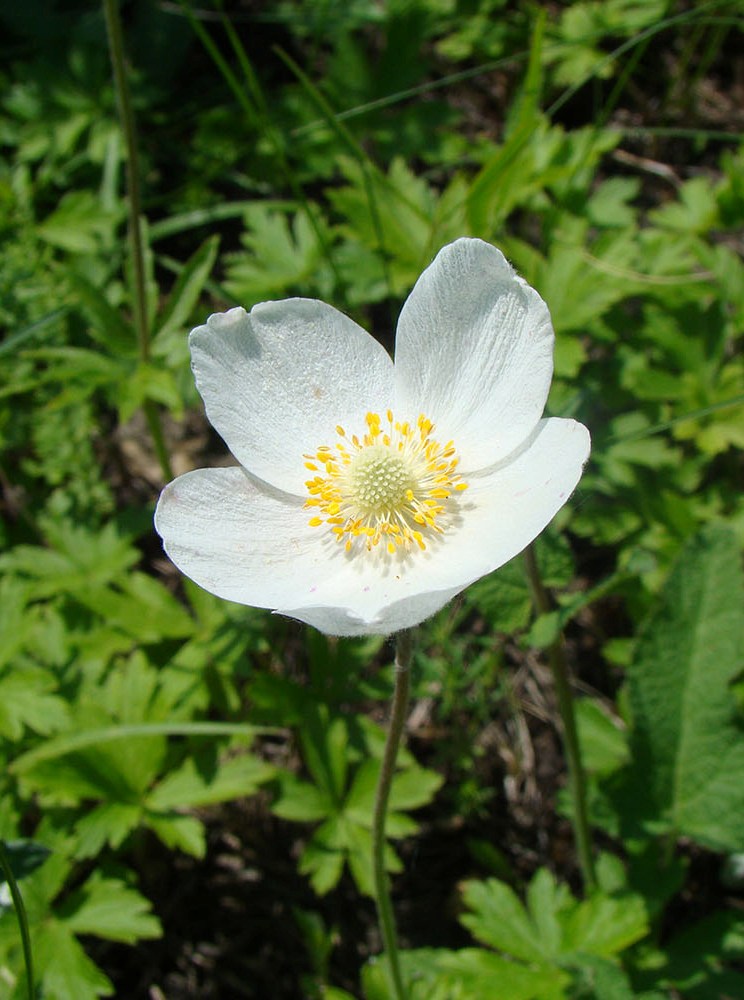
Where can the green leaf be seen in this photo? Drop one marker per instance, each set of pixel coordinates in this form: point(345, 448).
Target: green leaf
point(699, 958)
point(281, 256)
point(604, 926)
point(507, 178)
point(414, 787)
point(13, 341)
point(79, 557)
point(80, 740)
point(554, 926)
point(108, 823)
point(325, 745)
point(323, 857)
point(524, 111)
point(148, 382)
point(108, 908)
point(180, 833)
point(84, 369)
point(686, 739)
point(359, 857)
point(503, 597)
point(40, 886)
point(581, 283)
point(183, 221)
point(14, 620)
point(547, 627)
point(87, 775)
point(359, 801)
point(24, 856)
point(186, 291)
point(79, 224)
point(300, 801)
point(318, 940)
point(601, 979)
point(188, 786)
point(393, 224)
point(695, 212)
point(107, 326)
point(420, 973)
point(549, 902)
point(604, 745)
point(479, 973)
point(608, 204)
point(27, 699)
point(64, 968)
point(499, 918)
point(143, 608)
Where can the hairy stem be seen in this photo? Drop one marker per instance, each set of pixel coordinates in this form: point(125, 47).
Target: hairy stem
point(20, 909)
point(576, 777)
point(397, 721)
point(134, 203)
point(126, 119)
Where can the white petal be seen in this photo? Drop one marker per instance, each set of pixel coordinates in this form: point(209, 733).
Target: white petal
point(277, 381)
point(372, 620)
point(474, 352)
point(245, 542)
point(505, 508)
point(236, 537)
point(248, 543)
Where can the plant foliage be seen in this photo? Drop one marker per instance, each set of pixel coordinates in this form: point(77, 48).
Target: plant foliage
point(156, 742)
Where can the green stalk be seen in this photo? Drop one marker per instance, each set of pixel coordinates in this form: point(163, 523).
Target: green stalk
point(366, 165)
point(576, 777)
point(134, 204)
point(126, 120)
point(257, 114)
point(398, 713)
point(22, 918)
point(156, 433)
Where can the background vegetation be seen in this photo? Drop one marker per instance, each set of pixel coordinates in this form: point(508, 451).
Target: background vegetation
point(186, 785)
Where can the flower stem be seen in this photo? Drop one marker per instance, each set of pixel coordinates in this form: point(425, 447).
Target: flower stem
point(152, 416)
point(134, 203)
point(126, 119)
point(576, 777)
point(22, 918)
point(398, 714)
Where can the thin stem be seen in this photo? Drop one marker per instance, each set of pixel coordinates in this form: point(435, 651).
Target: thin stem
point(576, 776)
point(20, 909)
point(257, 114)
point(152, 416)
point(366, 165)
point(126, 119)
point(134, 204)
point(398, 713)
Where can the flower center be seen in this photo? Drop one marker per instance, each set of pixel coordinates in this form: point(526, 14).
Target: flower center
point(395, 485)
point(379, 479)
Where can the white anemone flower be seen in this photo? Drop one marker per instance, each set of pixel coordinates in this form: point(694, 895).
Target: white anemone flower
point(369, 493)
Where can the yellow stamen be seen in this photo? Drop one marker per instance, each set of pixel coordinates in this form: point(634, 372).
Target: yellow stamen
point(398, 486)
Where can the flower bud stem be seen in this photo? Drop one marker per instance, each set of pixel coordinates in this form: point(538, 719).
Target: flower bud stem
point(398, 713)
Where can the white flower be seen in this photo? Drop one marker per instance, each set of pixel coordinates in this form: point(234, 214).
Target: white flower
point(370, 493)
